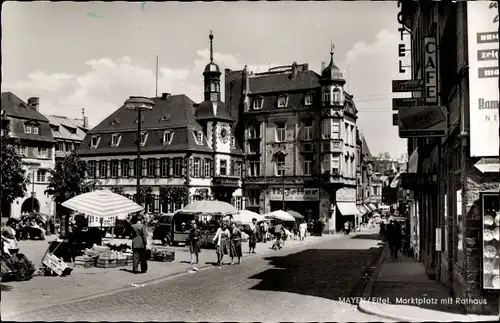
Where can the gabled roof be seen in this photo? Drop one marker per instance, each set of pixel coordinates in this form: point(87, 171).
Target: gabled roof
point(66, 128)
point(282, 82)
point(364, 145)
point(17, 108)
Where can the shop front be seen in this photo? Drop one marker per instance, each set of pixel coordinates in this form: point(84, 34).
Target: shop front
point(349, 213)
point(299, 199)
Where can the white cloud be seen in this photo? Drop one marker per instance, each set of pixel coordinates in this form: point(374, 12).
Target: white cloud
point(372, 67)
point(108, 83)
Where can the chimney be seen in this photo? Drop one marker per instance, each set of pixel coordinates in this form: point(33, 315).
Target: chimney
point(86, 122)
point(165, 96)
point(294, 70)
point(323, 65)
point(34, 103)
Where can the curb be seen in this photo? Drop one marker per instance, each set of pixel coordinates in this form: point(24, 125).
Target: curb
point(365, 308)
point(150, 281)
point(367, 291)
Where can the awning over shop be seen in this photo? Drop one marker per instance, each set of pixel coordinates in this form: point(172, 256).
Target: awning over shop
point(372, 207)
point(362, 210)
point(395, 181)
point(366, 206)
point(347, 208)
point(413, 162)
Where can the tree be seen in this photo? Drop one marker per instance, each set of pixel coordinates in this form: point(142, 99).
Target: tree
point(176, 194)
point(145, 194)
point(13, 183)
point(67, 180)
point(387, 155)
point(117, 190)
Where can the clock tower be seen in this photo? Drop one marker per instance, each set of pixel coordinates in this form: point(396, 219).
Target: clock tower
point(217, 122)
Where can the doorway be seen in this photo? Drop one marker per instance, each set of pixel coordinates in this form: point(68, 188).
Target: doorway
point(30, 205)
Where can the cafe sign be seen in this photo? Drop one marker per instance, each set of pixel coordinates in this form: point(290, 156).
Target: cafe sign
point(295, 194)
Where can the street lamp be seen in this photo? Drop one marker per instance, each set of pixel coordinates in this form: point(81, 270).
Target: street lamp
point(284, 169)
point(139, 103)
point(32, 169)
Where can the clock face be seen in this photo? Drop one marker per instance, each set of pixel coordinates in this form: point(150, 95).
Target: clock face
point(224, 134)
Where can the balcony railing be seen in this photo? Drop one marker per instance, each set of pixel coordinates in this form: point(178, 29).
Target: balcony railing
point(331, 145)
point(229, 181)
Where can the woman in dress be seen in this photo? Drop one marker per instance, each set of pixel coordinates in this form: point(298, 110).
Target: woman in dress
point(194, 242)
point(9, 238)
point(235, 250)
point(252, 236)
point(221, 240)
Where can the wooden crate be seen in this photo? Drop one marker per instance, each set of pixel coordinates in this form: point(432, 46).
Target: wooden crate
point(55, 264)
point(106, 263)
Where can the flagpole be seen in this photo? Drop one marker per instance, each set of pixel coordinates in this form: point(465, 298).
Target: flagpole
point(157, 67)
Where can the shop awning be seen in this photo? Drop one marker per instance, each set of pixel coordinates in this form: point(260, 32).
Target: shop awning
point(347, 208)
point(366, 206)
point(362, 210)
point(373, 207)
point(395, 181)
point(413, 162)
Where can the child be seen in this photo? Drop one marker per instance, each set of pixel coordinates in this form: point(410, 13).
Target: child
point(194, 242)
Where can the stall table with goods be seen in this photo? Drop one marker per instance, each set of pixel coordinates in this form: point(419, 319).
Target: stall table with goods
point(491, 241)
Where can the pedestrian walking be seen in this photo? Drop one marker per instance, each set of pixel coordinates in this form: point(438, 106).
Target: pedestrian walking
point(235, 246)
point(347, 228)
point(393, 238)
point(252, 236)
point(139, 244)
point(265, 231)
point(194, 242)
point(221, 241)
point(382, 230)
point(302, 230)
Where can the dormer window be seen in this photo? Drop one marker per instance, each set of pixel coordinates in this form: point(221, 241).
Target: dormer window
point(167, 137)
point(115, 139)
point(35, 130)
point(199, 137)
point(308, 99)
point(144, 138)
point(257, 104)
point(94, 141)
point(282, 101)
point(30, 129)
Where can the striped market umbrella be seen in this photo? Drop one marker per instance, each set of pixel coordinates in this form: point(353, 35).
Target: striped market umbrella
point(246, 216)
point(295, 214)
point(103, 204)
point(209, 207)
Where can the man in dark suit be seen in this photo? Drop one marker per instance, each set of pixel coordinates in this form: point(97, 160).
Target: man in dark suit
point(139, 243)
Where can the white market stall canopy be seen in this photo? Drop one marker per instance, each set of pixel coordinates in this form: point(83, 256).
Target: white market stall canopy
point(209, 207)
point(347, 208)
point(246, 216)
point(103, 204)
point(280, 215)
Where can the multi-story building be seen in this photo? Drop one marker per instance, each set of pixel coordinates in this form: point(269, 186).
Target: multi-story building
point(366, 198)
point(68, 133)
point(456, 184)
point(36, 147)
point(182, 144)
point(299, 134)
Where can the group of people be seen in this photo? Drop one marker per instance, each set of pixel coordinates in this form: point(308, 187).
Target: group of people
point(392, 232)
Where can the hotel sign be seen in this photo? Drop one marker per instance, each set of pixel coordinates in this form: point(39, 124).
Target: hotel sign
point(407, 85)
point(295, 194)
point(428, 121)
point(407, 103)
point(482, 30)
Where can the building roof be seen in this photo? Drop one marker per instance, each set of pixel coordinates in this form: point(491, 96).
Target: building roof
point(17, 108)
point(213, 110)
point(66, 128)
point(364, 148)
point(283, 82)
point(332, 72)
point(175, 114)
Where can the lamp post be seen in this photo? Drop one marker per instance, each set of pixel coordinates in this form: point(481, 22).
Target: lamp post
point(284, 169)
point(32, 169)
point(139, 103)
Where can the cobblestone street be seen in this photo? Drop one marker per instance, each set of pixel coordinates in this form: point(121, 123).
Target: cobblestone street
point(305, 283)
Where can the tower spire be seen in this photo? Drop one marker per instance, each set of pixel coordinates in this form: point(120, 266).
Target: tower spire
point(332, 48)
point(211, 37)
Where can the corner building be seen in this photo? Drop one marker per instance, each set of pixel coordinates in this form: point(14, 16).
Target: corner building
point(462, 168)
point(299, 135)
point(183, 144)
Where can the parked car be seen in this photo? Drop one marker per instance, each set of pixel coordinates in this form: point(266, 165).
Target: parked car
point(163, 229)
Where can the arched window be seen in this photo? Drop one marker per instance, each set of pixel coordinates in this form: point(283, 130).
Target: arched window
point(337, 95)
point(217, 87)
point(212, 87)
point(326, 95)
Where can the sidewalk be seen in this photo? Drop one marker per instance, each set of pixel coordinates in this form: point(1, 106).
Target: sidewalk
point(400, 290)
point(83, 283)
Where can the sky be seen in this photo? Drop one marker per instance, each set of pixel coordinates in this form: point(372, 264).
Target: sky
point(94, 55)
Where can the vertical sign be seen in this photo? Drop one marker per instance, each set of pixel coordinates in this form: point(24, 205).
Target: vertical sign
point(430, 70)
point(482, 34)
point(438, 239)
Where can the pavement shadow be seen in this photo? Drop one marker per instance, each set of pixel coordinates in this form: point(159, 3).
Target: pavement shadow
point(5, 288)
point(127, 270)
point(369, 236)
point(212, 263)
point(328, 273)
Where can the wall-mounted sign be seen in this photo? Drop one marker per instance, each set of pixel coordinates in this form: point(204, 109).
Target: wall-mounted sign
point(430, 70)
point(407, 103)
point(482, 25)
point(407, 85)
point(401, 47)
point(295, 194)
point(395, 119)
point(423, 122)
point(438, 239)
point(411, 181)
point(491, 240)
